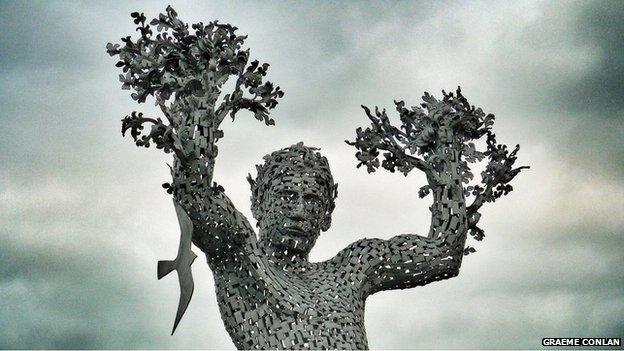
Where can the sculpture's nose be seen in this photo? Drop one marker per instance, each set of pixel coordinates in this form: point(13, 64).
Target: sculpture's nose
point(298, 211)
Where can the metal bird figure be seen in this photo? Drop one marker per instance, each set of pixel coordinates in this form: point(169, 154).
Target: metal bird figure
point(182, 263)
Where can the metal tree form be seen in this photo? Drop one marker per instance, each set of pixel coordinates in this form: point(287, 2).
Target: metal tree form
point(185, 71)
point(438, 137)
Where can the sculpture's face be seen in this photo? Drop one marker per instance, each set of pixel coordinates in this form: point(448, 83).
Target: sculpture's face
point(295, 212)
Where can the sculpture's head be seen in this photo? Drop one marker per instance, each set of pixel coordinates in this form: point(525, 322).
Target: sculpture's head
point(293, 198)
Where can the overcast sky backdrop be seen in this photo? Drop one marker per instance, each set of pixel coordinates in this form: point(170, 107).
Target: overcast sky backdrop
point(84, 219)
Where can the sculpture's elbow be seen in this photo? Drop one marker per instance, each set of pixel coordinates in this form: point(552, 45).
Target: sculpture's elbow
point(453, 272)
point(447, 273)
point(452, 268)
point(456, 265)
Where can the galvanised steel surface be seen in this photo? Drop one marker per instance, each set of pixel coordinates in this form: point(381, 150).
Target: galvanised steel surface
point(269, 294)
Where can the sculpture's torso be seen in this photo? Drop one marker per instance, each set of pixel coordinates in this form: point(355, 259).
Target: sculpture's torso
point(310, 306)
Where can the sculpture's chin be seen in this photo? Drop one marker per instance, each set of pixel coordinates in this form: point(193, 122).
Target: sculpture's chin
point(294, 244)
point(290, 244)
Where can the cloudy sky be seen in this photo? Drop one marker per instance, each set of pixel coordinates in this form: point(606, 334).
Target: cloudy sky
point(84, 220)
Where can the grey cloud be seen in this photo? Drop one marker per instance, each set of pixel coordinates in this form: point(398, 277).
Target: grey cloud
point(64, 301)
point(39, 35)
point(70, 299)
point(85, 219)
point(600, 92)
point(595, 98)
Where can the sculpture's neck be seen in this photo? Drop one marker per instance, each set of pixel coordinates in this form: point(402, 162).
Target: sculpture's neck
point(283, 257)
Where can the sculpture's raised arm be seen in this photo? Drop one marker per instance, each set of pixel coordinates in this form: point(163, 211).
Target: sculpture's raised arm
point(436, 138)
point(184, 71)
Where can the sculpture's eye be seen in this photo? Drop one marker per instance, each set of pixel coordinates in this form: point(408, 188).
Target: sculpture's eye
point(287, 195)
point(312, 200)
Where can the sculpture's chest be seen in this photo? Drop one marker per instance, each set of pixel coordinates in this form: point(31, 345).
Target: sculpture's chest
point(316, 310)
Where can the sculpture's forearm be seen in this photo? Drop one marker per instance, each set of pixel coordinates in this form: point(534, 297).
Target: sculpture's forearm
point(437, 138)
point(412, 260)
point(220, 228)
point(449, 219)
point(449, 222)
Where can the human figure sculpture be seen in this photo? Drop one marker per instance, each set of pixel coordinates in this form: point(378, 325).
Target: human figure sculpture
point(269, 294)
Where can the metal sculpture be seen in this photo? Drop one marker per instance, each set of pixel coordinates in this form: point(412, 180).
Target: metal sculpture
point(269, 294)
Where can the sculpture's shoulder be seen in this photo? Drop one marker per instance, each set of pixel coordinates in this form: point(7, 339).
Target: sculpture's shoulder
point(358, 256)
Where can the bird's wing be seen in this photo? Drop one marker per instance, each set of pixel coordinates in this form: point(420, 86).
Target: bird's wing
point(182, 263)
point(185, 277)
